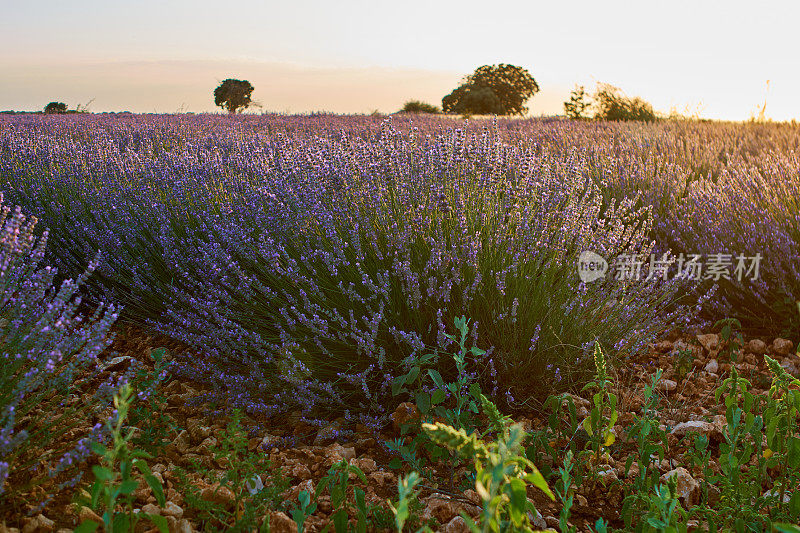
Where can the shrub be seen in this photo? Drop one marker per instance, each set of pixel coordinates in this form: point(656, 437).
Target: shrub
point(45, 344)
point(577, 104)
point(415, 106)
point(613, 105)
point(492, 89)
point(55, 107)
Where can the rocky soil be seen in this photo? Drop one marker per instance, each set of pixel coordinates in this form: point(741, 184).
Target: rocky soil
point(688, 405)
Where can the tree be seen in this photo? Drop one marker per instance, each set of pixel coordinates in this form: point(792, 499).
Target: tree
point(612, 104)
point(415, 106)
point(493, 89)
point(233, 95)
point(578, 103)
point(55, 107)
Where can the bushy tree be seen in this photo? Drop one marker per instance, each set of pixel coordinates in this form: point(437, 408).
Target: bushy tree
point(233, 95)
point(416, 106)
point(493, 89)
point(578, 103)
point(613, 104)
point(55, 107)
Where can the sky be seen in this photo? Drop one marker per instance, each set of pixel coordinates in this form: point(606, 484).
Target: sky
point(720, 60)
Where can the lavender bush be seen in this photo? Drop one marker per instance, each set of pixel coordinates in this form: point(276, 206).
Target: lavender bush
point(309, 260)
point(44, 343)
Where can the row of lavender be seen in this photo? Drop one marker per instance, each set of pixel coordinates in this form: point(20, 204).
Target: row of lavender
point(45, 345)
point(310, 260)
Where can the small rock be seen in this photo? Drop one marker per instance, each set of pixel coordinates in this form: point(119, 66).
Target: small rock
point(269, 441)
point(115, 363)
point(472, 496)
point(182, 442)
point(40, 524)
point(254, 485)
point(782, 346)
point(790, 367)
point(172, 523)
point(757, 347)
point(406, 412)
point(151, 509)
point(172, 509)
point(456, 525)
point(216, 494)
point(578, 401)
point(87, 514)
point(772, 493)
point(184, 526)
point(580, 499)
point(197, 431)
point(381, 477)
point(667, 385)
point(709, 341)
point(712, 366)
point(697, 426)
point(688, 488)
point(337, 449)
point(280, 523)
point(209, 442)
point(537, 520)
point(607, 475)
point(663, 346)
point(294, 492)
point(440, 507)
point(298, 471)
point(366, 464)
point(328, 433)
point(552, 522)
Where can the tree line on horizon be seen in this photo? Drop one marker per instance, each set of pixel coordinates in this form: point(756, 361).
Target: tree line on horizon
point(501, 89)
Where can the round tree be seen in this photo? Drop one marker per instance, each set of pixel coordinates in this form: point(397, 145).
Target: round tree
point(55, 107)
point(233, 95)
point(493, 89)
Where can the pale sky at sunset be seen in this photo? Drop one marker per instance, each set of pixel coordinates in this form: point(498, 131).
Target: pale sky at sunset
point(353, 56)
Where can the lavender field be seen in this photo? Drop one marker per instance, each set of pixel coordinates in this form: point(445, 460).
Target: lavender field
point(308, 263)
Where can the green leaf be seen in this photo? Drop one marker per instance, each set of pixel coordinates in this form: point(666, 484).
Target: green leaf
point(140, 454)
point(438, 396)
point(423, 402)
point(794, 504)
point(412, 375)
point(437, 378)
point(783, 528)
point(340, 521)
point(518, 499)
point(128, 487)
point(537, 480)
point(155, 486)
point(158, 354)
point(397, 384)
point(98, 448)
point(102, 474)
point(121, 523)
point(160, 522)
point(97, 488)
point(87, 526)
point(794, 453)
